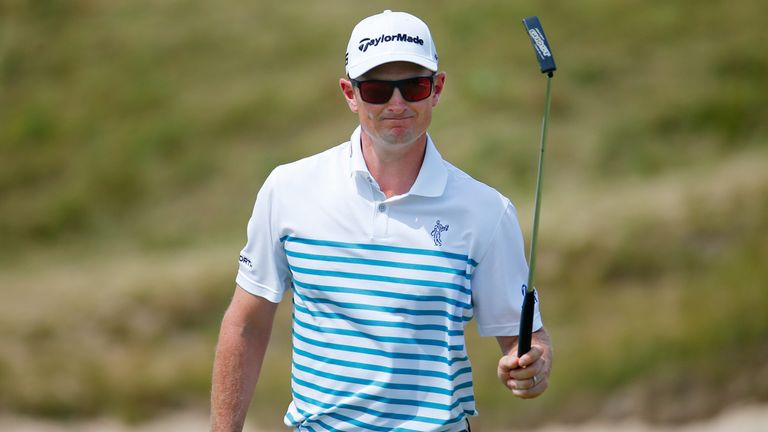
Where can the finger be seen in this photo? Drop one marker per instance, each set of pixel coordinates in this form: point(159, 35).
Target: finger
point(508, 363)
point(504, 366)
point(521, 384)
point(532, 391)
point(524, 394)
point(537, 368)
point(524, 384)
point(531, 356)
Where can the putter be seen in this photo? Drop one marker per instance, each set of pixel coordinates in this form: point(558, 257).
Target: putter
point(547, 65)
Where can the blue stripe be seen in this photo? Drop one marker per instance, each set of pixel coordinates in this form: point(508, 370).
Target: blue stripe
point(367, 246)
point(368, 336)
point(340, 417)
point(378, 323)
point(406, 402)
point(393, 310)
point(379, 263)
point(306, 415)
point(377, 293)
point(391, 371)
point(360, 424)
point(368, 410)
point(381, 353)
point(466, 384)
point(290, 418)
point(379, 278)
point(382, 384)
point(324, 425)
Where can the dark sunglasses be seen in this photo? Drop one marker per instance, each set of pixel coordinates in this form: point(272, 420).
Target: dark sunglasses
point(380, 91)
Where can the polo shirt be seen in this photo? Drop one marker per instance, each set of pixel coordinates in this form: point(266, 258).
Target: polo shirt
point(384, 287)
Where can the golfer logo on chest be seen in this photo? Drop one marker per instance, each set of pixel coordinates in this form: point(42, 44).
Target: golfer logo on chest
point(436, 231)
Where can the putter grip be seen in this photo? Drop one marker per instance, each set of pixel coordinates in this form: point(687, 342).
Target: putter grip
point(526, 323)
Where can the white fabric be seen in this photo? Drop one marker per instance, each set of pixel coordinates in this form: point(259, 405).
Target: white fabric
point(382, 288)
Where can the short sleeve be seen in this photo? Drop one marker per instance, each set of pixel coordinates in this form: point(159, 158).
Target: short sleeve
point(263, 268)
point(498, 279)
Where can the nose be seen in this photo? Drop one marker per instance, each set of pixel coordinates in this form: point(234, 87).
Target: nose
point(396, 103)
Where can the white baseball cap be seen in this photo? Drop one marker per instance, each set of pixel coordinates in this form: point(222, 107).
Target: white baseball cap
point(389, 37)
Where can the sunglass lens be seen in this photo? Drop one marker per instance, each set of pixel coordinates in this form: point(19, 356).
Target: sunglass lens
point(377, 92)
point(416, 89)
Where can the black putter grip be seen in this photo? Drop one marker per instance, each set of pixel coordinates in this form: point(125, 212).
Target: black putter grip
point(526, 323)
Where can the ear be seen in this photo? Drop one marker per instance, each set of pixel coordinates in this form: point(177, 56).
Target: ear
point(348, 90)
point(439, 85)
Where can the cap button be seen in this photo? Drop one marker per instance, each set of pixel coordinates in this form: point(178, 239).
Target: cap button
point(387, 11)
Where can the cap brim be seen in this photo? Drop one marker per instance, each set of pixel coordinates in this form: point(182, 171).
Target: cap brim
point(360, 69)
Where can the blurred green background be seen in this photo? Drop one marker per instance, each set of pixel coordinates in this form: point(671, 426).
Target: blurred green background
point(134, 136)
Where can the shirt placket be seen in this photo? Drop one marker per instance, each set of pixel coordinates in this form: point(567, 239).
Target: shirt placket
point(379, 210)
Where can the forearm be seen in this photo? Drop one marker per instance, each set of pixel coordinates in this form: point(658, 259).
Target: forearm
point(239, 356)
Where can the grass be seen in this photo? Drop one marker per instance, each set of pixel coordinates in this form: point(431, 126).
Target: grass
point(134, 136)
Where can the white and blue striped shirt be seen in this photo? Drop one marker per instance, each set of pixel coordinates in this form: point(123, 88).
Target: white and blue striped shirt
point(383, 288)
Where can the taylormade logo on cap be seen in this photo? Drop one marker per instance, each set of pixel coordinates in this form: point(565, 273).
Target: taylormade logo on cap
point(389, 37)
point(365, 43)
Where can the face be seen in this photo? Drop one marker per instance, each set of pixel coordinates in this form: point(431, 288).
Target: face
point(396, 123)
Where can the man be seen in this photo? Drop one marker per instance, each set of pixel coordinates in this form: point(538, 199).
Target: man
point(389, 251)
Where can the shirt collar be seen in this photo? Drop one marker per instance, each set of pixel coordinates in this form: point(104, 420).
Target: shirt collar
point(356, 161)
point(432, 177)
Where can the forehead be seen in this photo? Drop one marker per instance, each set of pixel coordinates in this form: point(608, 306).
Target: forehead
point(396, 70)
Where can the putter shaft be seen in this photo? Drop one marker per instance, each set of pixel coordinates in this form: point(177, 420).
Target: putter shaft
point(526, 318)
point(537, 201)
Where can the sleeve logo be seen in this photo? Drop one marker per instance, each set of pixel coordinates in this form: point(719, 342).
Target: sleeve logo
point(246, 262)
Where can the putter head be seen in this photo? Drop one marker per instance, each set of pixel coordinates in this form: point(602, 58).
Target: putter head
point(540, 44)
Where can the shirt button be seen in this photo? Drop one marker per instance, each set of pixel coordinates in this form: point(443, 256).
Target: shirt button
point(382, 208)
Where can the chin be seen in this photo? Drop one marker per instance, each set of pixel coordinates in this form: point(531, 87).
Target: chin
point(395, 139)
point(401, 135)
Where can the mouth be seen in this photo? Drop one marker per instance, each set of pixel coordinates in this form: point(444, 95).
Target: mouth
point(397, 119)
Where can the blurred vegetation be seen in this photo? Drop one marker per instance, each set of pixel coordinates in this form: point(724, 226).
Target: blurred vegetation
point(134, 136)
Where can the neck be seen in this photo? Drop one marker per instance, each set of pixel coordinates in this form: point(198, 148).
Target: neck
point(395, 168)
